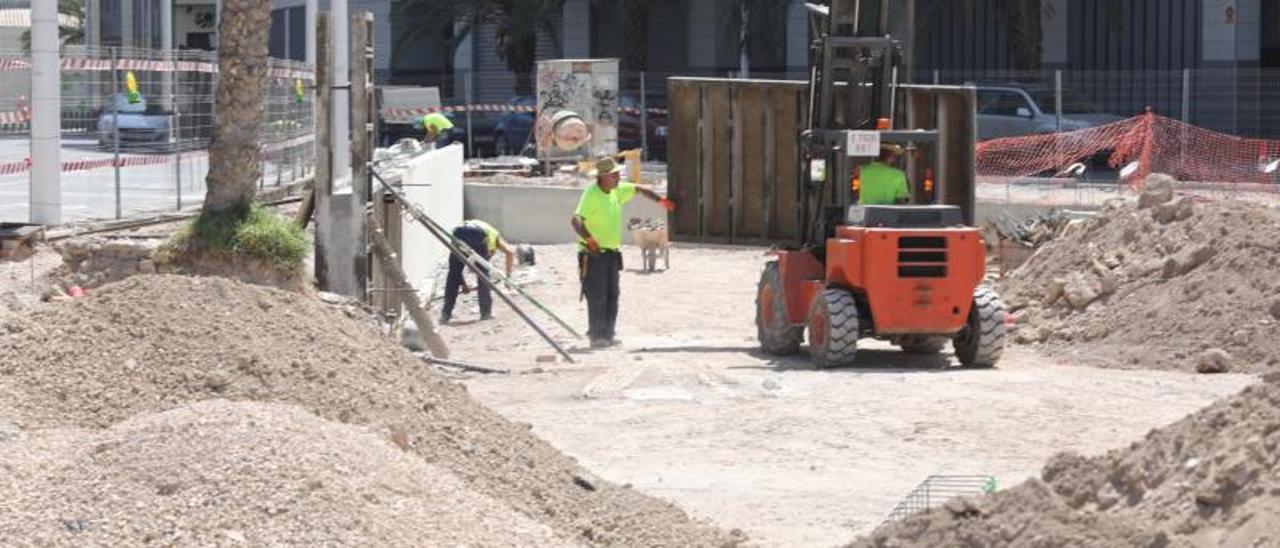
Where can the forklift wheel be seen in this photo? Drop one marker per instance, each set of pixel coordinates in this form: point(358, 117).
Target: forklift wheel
point(981, 342)
point(833, 328)
point(777, 335)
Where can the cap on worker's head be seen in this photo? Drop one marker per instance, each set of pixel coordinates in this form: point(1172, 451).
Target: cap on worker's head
point(605, 166)
point(890, 147)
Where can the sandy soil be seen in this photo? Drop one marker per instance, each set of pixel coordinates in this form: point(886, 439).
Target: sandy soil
point(688, 410)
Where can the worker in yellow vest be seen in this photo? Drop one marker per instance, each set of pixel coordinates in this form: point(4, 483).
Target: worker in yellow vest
point(436, 125)
point(881, 182)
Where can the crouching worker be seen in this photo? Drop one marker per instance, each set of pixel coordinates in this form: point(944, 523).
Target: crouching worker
point(484, 240)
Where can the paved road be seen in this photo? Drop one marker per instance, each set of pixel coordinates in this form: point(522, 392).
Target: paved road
point(92, 193)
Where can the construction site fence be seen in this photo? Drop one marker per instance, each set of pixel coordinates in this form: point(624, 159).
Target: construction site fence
point(1237, 101)
point(136, 126)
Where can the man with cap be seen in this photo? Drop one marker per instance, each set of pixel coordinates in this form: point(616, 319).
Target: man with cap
point(882, 183)
point(484, 240)
point(435, 124)
point(598, 223)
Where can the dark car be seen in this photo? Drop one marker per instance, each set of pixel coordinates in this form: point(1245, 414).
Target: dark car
point(139, 122)
point(515, 129)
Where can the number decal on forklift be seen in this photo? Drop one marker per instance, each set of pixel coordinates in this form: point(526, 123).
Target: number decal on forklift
point(863, 143)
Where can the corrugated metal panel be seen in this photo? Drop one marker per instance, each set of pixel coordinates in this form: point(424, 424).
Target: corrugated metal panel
point(1151, 40)
point(493, 81)
point(962, 38)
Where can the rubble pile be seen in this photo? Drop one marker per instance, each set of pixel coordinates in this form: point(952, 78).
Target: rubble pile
point(1211, 479)
point(116, 374)
point(1166, 283)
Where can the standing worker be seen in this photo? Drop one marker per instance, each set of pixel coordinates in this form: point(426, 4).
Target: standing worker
point(881, 182)
point(482, 238)
point(435, 124)
point(598, 222)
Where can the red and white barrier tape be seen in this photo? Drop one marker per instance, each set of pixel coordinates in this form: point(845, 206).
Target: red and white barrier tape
point(19, 117)
point(412, 112)
point(10, 64)
point(24, 165)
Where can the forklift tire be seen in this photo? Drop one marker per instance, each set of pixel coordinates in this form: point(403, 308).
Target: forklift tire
point(923, 345)
point(777, 335)
point(833, 329)
point(981, 342)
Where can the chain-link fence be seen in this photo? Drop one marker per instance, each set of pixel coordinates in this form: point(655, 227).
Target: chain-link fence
point(136, 126)
point(490, 106)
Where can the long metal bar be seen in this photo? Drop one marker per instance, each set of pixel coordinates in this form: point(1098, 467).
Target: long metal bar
point(475, 263)
point(483, 263)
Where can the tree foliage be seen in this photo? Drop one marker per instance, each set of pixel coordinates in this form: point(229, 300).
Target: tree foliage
point(70, 24)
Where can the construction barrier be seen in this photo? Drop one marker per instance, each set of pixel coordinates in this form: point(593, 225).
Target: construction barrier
point(1152, 143)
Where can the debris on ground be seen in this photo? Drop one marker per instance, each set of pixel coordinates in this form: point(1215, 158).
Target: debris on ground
point(1211, 479)
point(1155, 285)
point(156, 343)
point(1031, 229)
point(209, 472)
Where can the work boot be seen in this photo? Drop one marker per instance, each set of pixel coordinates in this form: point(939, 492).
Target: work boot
point(444, 319)
point(601, 343)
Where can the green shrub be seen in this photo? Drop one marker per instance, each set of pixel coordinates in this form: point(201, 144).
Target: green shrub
point(252, 231)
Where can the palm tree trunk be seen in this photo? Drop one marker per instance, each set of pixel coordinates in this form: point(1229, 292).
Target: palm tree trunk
point(234, 153)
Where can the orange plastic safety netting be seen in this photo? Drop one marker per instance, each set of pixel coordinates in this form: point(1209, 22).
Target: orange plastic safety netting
point(1153, 143)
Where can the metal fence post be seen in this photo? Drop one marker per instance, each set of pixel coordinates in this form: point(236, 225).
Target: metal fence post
point(1186, 96)
point(467, 85)
point(644, 120)
point(1057, 99)
point(175, 133)
point(115, 125)
point(1186, 116)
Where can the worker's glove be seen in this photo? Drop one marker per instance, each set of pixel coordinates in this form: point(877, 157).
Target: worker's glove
point(465, 289)
point(667, 204)
point(592, 245)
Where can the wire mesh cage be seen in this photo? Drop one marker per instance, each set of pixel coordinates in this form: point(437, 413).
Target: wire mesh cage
point(936, 490)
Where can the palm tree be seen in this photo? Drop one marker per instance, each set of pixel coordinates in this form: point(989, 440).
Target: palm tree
point(517, 26)
point(70, 25)
point(234, 154)
point(761, 26)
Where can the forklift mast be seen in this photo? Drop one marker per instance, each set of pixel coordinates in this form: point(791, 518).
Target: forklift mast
point(860, 92)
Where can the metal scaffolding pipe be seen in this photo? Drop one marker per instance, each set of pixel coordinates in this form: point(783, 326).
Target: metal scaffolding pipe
point(340, 105)
point(312, 7)
point(46, 113)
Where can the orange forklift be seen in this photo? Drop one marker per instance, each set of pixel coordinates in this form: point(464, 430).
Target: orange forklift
point(909, 274)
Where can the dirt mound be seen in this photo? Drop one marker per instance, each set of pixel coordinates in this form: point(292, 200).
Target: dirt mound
point(210, 473)
point(1169, 286)
point(1211, 479)
point(153, 343)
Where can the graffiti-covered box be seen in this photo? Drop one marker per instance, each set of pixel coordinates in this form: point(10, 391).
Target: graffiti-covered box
point(577, 109)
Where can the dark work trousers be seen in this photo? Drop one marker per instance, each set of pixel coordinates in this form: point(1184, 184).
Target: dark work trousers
point(474, 237)
point(599, 273)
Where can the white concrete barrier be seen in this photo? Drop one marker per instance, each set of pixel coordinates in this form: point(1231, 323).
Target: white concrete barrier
point(529, 214)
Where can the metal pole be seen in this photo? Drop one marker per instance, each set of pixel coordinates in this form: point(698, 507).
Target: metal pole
point(1057, 99)
point(644, 121)
point(477, 265)
point(1186, 96)
point(310, 8)
point(471, 147)
point(115, 124)
point(45, 192)
point(175, 139)
point(340, 106)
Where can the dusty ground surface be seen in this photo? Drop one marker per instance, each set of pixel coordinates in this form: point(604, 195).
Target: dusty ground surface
point(1157, 286)
point(152, 344)
point(1209, 480)
point(688, 410)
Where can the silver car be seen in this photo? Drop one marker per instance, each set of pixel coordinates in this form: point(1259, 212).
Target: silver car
point(139, 122)
point(1013, 111)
